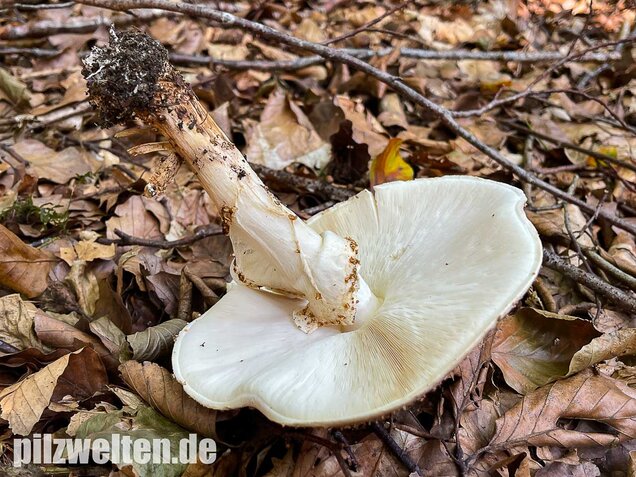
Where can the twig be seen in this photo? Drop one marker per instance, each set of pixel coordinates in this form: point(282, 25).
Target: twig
point(125, 239)
point(544, 294)
point(395, 449)
point(303, 184)
point(611, 269)
point(615, 295)
point(74, 25)
point(339, 436)
point(32, 52)
point(209, 296)
point(362, 53)
point(367, 25)
point(184, 311)
point(26, 7)
point(227, 20)
point(568, 145)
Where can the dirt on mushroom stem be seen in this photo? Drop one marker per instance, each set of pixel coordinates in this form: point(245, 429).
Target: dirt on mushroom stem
point(274, 250)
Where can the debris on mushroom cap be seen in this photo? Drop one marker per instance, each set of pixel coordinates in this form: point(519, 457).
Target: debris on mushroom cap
point(460, 259)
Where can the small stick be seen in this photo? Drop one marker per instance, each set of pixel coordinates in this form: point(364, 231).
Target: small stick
point(184, 312)
point(125, 239)
point(395, 449)
point(616, 295)
point(209, 296)
point(544, 294)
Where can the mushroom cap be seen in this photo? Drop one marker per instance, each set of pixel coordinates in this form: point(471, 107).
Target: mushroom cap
point(446, 256)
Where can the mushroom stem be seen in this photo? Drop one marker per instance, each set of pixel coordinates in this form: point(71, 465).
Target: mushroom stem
point(274, 249)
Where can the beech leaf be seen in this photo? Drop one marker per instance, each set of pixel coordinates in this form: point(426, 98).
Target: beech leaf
point(23, 268)
point(159, 388)
point(534, 347)
point(155, 341)
point(536, 419)
point(80, 374)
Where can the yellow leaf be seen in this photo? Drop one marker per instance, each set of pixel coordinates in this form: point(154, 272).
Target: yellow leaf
point(389, 166)
point(610, 151)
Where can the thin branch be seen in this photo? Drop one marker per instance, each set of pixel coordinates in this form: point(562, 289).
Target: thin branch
point(569, 145)
point(367, 25)
point(396, 450)
point(611, 269)
point(75, 25)
point(227, 20)
point(617, 296)
point(303, 184)
point(125, 239)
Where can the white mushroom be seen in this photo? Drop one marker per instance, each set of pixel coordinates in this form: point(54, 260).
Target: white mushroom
point(446, 258)
point(350, 315)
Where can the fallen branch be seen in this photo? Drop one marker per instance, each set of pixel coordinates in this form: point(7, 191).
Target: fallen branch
point(75, 25)
point(613, 294)
point(125, 239)
point(227, 20)
point(395, 449)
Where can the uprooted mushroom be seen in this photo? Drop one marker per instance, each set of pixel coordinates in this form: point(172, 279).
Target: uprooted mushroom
point(350, 315)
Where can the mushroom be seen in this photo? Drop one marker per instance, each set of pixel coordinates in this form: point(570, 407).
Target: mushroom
point(350, 315)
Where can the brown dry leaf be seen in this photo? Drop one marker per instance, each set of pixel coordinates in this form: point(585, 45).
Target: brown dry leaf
point(160, 389)
point(366, 129)
point(59, 167)
point(623, 251)
point(17, 324)
point(87, 251)
point(23, 268)
point(285, 135)
point(392, 113)
point(80, 374)
point(536, 419)
point(534, 347)
point(63, 335)
point(14, 91)
point(139, 217)
point(610, 345)
point(155, 341)
point(85, 285)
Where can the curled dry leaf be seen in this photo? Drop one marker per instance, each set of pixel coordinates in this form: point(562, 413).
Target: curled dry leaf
point(80, 374)
point(23, 268)
point(155, 341)
point(285, 135)
point(60, 334)
point(16, 324)
point(389, 166)
point(161, 390)
point(534, 347)
point(536, 419)
point(610, 345)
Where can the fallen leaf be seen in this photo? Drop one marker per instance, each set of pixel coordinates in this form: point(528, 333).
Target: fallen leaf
point(134, 217)
point(155, 341)
point(285, 135)
point(141, 423)
point(389, 165)
point(610, 345)
point(59, 167)
point(80, 374)
point(534, 347)
point(536, 420)
point(23, 268)
point(365, 128)
point(87, 251)
point(17, 324)
point(14, 90)
point(159, 388)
